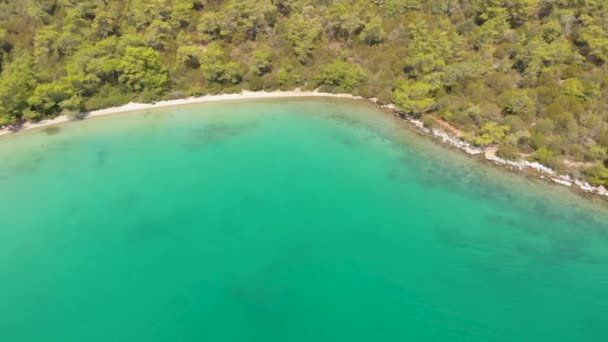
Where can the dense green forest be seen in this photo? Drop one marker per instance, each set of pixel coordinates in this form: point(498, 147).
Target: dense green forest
point(528, 76)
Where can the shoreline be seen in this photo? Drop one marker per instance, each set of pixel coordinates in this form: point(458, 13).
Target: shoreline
point(488, 154)
point(133, 106)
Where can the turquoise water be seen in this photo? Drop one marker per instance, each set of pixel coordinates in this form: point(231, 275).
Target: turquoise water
point(292, 220)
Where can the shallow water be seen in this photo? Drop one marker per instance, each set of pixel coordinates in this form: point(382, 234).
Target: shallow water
point(290, 220)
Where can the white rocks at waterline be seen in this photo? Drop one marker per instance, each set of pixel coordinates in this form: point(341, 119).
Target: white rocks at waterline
point(520, 165)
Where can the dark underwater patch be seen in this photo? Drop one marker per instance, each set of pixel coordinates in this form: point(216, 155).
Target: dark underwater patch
point(101, 157)
point(215, 133)
point(52, 130)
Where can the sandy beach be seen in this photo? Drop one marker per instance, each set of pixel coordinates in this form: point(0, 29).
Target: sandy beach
point(132, 106)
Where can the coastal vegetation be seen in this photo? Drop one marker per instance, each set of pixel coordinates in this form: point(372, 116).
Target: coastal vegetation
point(527, 76)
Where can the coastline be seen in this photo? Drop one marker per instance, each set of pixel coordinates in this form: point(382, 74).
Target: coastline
point(443, 136)
point(132, 106)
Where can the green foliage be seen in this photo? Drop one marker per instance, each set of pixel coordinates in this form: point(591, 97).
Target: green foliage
point(182, 12)
point(491, 133)
point(261, 61)
point(507, 151)
point(546, 157)
point(302, 33)
point(217, 66)
point(45, 42)
point(53, 98)
point(210, 26)
point(141, 69)
point(287, 77)
point(492, 30)
point(238, 20)
point(414, 97)
point(526, 75)
point(342, 75)
point(431, 47)
point(518, 102)
point(573, 87)
point(347, 18)
point(248, 17)
point(598, 175)
point(373, 32)
point(106, 97)
point(189, 56)
point(429, 122)
point(594, 40)
point(17, 82)
point(158, 34)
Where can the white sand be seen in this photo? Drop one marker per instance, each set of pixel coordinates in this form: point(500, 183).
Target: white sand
point(245, 95)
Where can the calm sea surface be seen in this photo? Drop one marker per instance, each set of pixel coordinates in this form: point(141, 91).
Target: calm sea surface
point(288, 220)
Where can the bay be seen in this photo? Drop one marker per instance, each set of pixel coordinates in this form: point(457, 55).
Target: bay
point(286, 220)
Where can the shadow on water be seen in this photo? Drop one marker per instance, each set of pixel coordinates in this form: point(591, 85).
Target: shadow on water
point(148, 230)
point(215, 133)
point(261, 299)
point(101, 157)
point(157, 229)
point(52, 130)
point(29, 165)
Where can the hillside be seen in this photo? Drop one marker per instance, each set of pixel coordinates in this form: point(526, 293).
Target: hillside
point(529, 76)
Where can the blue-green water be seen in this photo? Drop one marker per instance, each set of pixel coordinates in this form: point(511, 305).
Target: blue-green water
point(292, 220)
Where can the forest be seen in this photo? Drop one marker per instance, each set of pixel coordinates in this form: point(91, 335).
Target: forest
point(527, 76)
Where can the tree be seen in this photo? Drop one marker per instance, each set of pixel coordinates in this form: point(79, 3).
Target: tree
point(182, 13)
point(431, 47)
point(158, 34)
point(107, 20)
point(491, 133)
point(598, 175)
point(302, 33)
point(210, 26)
point(536, 55)
point(414, 97)
point(141, 13)
point(217, 67)
point(45, 42)
point(393, 7)
point(546, 157)
point(594, 43)
point(94, 65)
point(17, 83)
point(287, 77)
point(248, 16)
point(140, 68)
point(343, 75)
point(573, 87)
point(518, 102)
point(52, 98)
point(346, 18)
point(522, 11)
point(373, 32)
point(189, 56)
point(261, 61)
point(493, 29)
point(74, 29)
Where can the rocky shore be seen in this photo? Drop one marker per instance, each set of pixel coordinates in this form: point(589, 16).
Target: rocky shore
point(489, 154)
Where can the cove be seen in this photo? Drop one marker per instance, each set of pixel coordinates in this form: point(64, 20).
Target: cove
point(286, 220)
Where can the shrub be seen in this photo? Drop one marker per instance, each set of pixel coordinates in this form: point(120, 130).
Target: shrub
point(597, 175)
point(507, 151)
point(342, 74)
